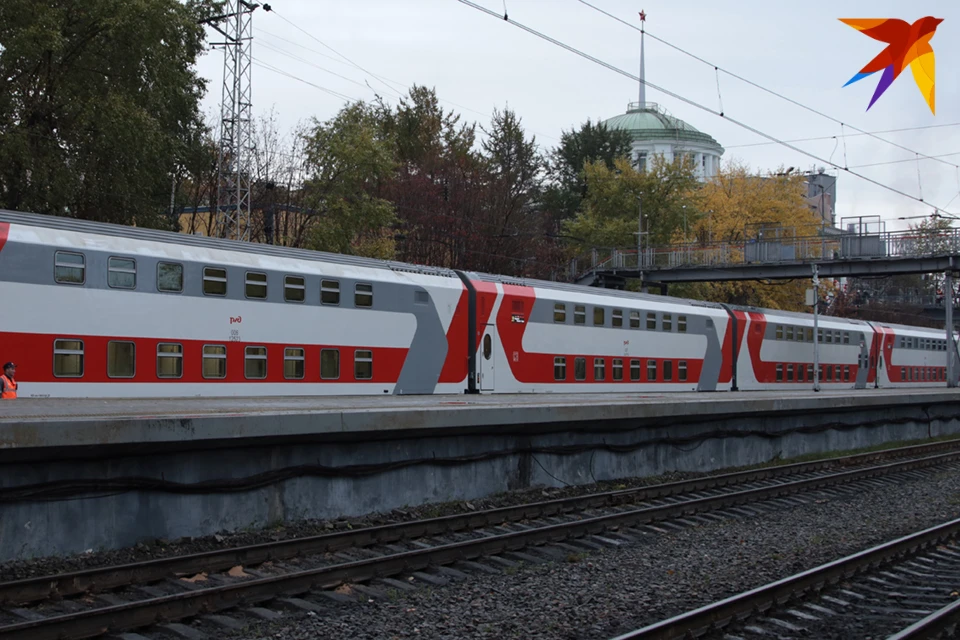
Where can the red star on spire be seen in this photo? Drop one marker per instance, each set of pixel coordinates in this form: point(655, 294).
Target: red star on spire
point(643, 16)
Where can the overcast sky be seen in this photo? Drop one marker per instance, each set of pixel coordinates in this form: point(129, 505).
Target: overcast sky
point(477, 63)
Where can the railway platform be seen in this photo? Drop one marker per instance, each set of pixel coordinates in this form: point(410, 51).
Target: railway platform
point(99, 474)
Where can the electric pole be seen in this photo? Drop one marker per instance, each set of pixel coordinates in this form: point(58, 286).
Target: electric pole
point(233, 163)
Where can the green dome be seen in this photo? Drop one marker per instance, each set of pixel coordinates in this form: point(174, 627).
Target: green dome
point(651, 123)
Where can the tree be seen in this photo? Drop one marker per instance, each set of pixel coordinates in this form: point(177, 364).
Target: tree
point(609, 217)
point(730, 205)
point(99, 105)
point(592, 143)
point(348, 157)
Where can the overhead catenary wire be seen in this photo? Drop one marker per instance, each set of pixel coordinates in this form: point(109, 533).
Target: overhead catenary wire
point(750, 82)
point(690, 102)
point(850, 135)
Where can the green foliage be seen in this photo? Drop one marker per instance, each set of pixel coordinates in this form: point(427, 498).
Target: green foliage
point(99, 104)
point(615, 197)
point(347, 158)
point(591, 143)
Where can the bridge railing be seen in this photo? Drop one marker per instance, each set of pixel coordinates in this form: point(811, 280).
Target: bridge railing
point(819, 248)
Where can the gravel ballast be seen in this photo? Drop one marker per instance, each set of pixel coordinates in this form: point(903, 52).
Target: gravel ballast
point(600, 594)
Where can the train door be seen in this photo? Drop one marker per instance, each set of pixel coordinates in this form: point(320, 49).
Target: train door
point(863, 364)
point(486, 373)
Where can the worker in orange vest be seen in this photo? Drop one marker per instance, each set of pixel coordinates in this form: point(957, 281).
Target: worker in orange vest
point(8, 384)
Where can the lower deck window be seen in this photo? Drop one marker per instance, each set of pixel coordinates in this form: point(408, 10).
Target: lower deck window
point(121, 359)
point(293, 363)
point(559, 368)
point(580, 368)
point(779, 373)
point(363, 365)
point(617, 369)
point(329, 364)
point(599, 369)
point(634, 370)
point(651, 370)
point(169, 360)
point(255, 363)
point(68, 358)
point(214, 361)
point(682, 371)
point(667, 370)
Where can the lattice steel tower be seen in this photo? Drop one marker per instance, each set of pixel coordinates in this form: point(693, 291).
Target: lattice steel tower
point(233, 164)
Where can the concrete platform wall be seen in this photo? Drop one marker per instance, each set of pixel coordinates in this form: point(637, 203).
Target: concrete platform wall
point(111, 514)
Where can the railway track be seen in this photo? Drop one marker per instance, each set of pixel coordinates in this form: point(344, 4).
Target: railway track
point(93, 602)
point(906, 589)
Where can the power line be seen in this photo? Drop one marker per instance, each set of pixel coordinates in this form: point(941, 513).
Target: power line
point(383, 79)
point(852, 135)
point(753, 84)
point(337, 94)
point(879, 164)
point(692, 103)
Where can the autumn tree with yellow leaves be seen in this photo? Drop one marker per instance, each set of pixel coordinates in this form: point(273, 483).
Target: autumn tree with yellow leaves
point(733, 204)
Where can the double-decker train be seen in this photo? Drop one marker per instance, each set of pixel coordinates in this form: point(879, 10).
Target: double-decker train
point(99, 310)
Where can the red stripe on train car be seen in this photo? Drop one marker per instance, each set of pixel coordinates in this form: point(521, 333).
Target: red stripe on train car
point(34, 356)
point(4, 233)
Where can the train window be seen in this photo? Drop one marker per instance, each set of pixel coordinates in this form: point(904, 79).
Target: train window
point(651, 370)
point(799, 373)
point(616, 318)
point(667, 370)
point(68, 358)
point(121, 359)
point(293, 363)
point(618, 369)
point(294, 289)
point(779, 373)
point(634, 370)
point(560, 312)
point(580, 368)
point(829, 337)
point(214, 361)
point(809, 333)
point(214, 281)
point(799, 334)
point(682, 371)
point(599, 369)
point(330, 364)
point(255, 363)
point(69, 268)
point(903, 373)
point(846, 337)
point(363, 295)
point(779, 332)
point(667, 322)
point(846, 373)
point(559, 368)
point(579, 314)
point(255, 285)
point(820, 336)
point(170, 277)
point(634, 319)
point(789, 333)
point(121, 273)
point(598, 319)
point(682, 324)
point(363, 365)
point(330, 292)
point(789, 373)
point(487, 346)
point(829, 369)
point(810, 372)
point(169, 360)
point(651, 322)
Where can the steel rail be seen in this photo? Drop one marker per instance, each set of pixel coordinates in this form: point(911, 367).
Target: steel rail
point(94, 622)
point(940, 622)
point(110, 577)
point(718, 614)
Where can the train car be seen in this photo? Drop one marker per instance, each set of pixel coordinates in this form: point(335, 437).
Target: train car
point(100, 310)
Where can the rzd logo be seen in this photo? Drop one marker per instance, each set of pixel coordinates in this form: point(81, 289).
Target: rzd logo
point(234, 320)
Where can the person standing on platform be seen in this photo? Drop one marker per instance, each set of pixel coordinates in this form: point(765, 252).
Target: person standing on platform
point(8, 382)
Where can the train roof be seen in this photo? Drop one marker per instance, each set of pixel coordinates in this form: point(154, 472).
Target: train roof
point(175, 238)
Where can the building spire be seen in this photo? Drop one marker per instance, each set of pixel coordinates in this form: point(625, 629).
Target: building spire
point(643, 77)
